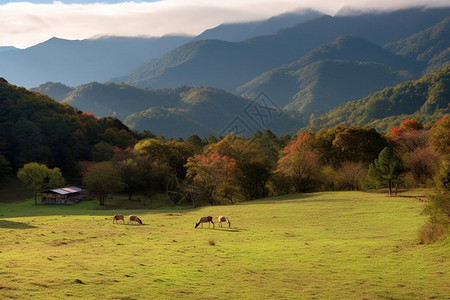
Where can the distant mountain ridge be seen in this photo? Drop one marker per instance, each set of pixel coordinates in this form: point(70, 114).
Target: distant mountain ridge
point(74, 62)
point(349, 68)
point(228, 65)
point(235, 32)
point(175, 112)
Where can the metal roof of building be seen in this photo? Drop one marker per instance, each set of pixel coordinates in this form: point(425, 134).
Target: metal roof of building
point(65, 190)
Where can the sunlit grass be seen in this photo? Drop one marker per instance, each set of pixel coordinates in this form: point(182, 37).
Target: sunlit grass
point(343, 245)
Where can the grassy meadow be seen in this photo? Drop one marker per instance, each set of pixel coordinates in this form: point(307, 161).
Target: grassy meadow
point(334, 245)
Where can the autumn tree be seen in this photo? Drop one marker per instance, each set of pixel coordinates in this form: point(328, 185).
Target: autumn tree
point(102, 179)
point(300, 163)
point(214, 174)
point(440, 136)
point(253, 164)
point(438, 223)
point(423, 165)
point(350, 175)
point(411, 142)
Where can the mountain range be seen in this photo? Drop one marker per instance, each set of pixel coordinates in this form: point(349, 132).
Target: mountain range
point(76, 62)
point(349, 68)
point(235, 32)
point(228, 65)
point(282, 81)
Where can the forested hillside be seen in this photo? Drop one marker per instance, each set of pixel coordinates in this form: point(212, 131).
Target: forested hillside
point(349, 68)
point(34, 127)
point(426, 100)
point(429, 47)
point(176, 112)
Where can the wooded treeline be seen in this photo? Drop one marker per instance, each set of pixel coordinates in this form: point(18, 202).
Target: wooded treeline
point(106, 157)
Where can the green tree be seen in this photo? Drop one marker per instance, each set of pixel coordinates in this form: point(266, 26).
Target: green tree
point(170, 154)
point(359, 144)
point(387, 169)
point(102, 179)
point(55, 178)
point(102, 152)
point(131, 175)
point(197, 142)
point(33, 175)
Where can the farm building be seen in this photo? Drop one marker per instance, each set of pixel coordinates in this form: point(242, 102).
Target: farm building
point(66, 195)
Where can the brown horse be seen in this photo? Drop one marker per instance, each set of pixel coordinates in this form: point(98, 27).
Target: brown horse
point(116, 218)
point(223, 219)
point(202, 220)
point(134, 219)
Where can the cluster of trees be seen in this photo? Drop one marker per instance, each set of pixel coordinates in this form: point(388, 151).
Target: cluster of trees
point(212, 171)
point(38, 177)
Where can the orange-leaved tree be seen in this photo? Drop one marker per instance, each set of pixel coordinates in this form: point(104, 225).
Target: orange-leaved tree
point(300, 163)
point(214, 174)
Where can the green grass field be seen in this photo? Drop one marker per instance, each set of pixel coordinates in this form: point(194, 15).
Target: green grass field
point(336, 245)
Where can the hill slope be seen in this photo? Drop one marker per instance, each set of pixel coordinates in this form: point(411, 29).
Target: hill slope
point(178, 112)
point(228, 65)
point(34, 127)
point(425, 99)
point(349, 68)
point(430, 47)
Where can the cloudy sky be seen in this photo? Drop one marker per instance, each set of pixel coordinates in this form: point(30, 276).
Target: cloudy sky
point(24, 23)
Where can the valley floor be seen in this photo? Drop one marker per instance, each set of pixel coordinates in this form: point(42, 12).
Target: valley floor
point(335, 245)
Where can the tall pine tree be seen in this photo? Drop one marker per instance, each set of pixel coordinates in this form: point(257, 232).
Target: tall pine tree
point(387, 169)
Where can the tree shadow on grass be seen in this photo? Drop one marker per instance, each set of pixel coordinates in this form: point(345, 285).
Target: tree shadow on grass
point(15, 225)
point(230, 230)
point(222, 229)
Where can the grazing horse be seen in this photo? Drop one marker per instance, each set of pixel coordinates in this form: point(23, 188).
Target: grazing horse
point(202, 220)
point(134, 219)
point(223, 219)
point(116, 218)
